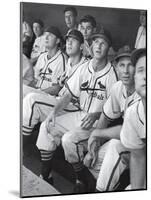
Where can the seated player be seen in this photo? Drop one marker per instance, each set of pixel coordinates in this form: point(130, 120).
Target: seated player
point(36, 106)
point(87, 26)
point(91, 84)
point(106, 162)
point(133, 133)
point(50, 65)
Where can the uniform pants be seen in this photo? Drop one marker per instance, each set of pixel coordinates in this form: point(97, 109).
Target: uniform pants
point(36, 107)
point(68, 131)
point(112, 160)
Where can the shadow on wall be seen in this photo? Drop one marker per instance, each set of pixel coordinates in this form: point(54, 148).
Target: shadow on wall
point(122, 23)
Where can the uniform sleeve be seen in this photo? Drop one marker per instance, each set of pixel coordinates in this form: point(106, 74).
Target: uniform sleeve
point(112, 78)
point(111, 108)
point(73, 83)
point(38, 67)
point(129, 136)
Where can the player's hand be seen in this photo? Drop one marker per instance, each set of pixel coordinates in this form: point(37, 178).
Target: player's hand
point(88, 120)
point(62, 79)
point(91, 142)
point(50, 120)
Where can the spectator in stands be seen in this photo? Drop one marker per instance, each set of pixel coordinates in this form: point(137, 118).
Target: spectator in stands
point(70, 14)
point(38, 46)
point(141, 33)
point(87, 26)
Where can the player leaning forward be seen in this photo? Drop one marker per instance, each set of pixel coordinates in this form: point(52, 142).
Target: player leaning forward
point(133, 134)
point(37, 106)
point(113, 157)
point(90, 84)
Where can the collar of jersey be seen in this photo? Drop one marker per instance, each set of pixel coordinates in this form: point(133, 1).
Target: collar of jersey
point(101, 72)
point(54, 57)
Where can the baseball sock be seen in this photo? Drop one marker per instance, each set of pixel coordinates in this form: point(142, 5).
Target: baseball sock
point(84, 175)
point(46, 161)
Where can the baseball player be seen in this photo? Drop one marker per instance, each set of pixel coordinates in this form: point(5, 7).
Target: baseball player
point(87, 26)
point(141, 33)
point(133, 133)
point(38, 46)
point(50, 65)
point(36, 106)
point(112, 157)
point(90, 84)
point(70, 14)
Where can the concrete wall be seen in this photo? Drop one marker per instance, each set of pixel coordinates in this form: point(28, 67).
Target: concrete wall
point(122, 23)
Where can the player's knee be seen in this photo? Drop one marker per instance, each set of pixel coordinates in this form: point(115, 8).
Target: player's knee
point(66, 140)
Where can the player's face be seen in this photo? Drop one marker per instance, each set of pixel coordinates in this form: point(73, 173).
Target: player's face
point(70, 19)
point(140, 77)
point(50, 40)
point(143, 19)
point(37, 29)
point(72, 46)
point(126, 71)
point(100, 48)
point(86, 29)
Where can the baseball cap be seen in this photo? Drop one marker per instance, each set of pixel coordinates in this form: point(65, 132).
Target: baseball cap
point(125, 51)
point(136, 54)
point(103, 33)
point(54, 30)
point(76, 35)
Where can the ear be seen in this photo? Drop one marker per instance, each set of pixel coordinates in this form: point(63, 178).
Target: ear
point(94, 30)
point(58, 41)
point(81, 47)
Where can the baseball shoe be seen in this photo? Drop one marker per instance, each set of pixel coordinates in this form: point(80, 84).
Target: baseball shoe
point(79, 188)
point(47, 179)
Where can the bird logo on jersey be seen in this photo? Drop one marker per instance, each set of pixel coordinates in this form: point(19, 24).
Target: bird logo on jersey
point(102, 87)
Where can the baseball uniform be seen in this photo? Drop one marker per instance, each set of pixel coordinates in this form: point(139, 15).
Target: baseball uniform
point(112, 156)
point(92, 89)
point(38, 47)
point(36, 107)
point(47, 71)
point(133, 133)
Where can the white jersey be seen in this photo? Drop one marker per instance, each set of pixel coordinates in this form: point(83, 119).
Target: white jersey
point(118, 101)
point(90, 87)
point(47, 71)
point(133, 133)
point(70, 70)
point(141, 38)
point(38, 47)
point(87, 49)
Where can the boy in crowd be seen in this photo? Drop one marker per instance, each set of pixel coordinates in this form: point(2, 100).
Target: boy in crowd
point(91, 84)
point(36, 107)
point(133, 134)
point(50, 65)
point(87, 26)
point(70, 14)
point(107, 165)
point(38, 46)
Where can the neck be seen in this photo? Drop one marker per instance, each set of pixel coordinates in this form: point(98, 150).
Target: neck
point(99, 64)
point(52, 52)
point(144, 104)
point(130, 90)
point(75, 59)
